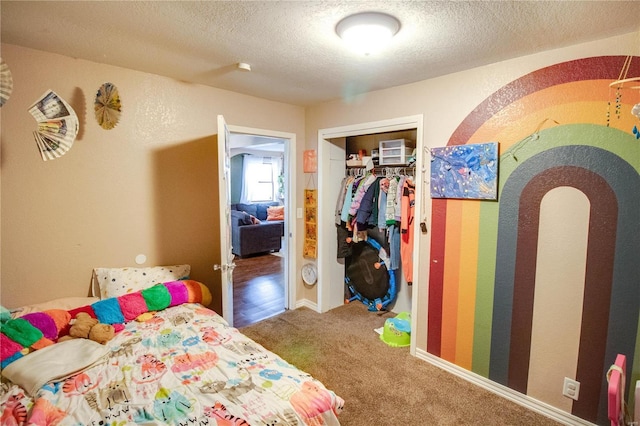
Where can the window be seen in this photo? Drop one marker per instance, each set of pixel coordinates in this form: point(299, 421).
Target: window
point(260, 181)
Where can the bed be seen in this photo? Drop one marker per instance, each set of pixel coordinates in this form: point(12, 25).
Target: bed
point(179, 365)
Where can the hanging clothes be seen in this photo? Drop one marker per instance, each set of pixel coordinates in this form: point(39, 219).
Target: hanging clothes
point(349, 187)
point(385, 201)
point(352, 186)
point(382, 203)
point(391, 201)
point(342, 234)
point(364, 185)
point(344, 247)
point(397, 214)
point(407, 204)
point(359, 233)
point(393, 236)
point(367, 213)
point(341, 198)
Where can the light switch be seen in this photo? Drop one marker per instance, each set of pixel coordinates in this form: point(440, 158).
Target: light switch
point(299, 212)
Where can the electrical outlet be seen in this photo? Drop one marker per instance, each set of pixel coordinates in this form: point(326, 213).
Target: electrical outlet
point(571, 388)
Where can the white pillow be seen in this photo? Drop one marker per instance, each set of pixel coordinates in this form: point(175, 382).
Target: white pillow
point(114, 282)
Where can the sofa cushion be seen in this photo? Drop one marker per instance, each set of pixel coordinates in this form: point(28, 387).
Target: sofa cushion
point(257, 210)
point(262, 208)
point(275, 213)
point(252, 209)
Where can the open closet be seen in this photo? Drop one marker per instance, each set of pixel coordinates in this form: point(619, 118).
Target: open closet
point(374, 217)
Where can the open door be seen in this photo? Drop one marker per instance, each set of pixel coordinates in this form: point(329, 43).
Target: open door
point(224, 189)
point(227, 265)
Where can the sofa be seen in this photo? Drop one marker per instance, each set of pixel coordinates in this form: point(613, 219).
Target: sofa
point(250, 236)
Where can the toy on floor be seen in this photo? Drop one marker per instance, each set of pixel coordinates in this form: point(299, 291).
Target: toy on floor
point(367, 276)
point(397, 331)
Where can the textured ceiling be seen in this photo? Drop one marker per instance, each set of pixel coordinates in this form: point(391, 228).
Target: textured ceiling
point(293, 50)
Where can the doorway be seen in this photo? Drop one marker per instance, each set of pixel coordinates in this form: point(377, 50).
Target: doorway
point(263, 280)
point(331, 161)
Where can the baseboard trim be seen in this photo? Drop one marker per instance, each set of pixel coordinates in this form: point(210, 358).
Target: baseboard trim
point(504, 391)
point(306, 303)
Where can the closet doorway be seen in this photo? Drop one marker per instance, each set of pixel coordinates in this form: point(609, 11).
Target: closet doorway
point(261, 283)
point(332, 144)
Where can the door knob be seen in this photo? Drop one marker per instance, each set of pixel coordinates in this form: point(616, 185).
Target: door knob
point(224, 267)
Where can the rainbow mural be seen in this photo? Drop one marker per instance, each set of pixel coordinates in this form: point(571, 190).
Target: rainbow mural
point(561, 126)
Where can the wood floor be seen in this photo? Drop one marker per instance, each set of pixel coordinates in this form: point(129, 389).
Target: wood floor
point(258, 288)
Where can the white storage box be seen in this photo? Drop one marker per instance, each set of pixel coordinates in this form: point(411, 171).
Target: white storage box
point(395, 151)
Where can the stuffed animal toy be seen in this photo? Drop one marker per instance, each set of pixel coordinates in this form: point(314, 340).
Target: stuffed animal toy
point(101, 333)
point(82, 325)
point(87, 327)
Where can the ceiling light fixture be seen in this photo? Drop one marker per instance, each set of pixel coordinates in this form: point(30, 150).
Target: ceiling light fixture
point(367, 32)
point(243, 66)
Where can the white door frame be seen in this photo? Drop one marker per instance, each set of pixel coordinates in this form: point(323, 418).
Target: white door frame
point(226, 264)
point(289, 202)
point(328, 283)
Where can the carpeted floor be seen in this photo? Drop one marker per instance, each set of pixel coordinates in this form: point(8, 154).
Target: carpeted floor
point(381, 385)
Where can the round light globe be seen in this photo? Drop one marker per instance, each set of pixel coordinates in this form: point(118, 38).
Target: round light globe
point(367, 32)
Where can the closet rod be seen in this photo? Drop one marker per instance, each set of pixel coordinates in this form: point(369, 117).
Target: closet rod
point(383, 170)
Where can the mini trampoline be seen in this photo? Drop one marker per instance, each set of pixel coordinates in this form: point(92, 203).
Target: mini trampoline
point(367, 276)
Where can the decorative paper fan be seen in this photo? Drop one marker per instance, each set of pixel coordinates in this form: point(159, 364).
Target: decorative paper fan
point(107, 106)
point(57, 125)
point(6, 82)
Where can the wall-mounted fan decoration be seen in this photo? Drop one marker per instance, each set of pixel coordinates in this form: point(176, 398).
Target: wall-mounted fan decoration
point(6, 82)
point(57, 125)
point(107, 106)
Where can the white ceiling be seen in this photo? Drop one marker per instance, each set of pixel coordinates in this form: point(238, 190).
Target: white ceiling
point(293, 50)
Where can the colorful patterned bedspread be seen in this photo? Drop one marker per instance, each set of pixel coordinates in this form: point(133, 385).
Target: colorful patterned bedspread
point(185, 366)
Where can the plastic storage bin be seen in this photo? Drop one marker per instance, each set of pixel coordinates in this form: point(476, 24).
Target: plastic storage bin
point(395, 151)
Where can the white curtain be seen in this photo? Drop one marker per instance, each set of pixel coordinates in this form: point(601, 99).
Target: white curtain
point(252, 190)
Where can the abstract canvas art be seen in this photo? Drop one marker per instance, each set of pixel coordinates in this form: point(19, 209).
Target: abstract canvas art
point(465, 171)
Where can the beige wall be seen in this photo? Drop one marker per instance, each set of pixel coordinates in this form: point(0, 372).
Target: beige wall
point(149, 186)
point(445, 102)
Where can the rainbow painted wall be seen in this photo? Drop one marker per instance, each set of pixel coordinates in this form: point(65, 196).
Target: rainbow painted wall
point(544, 283)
